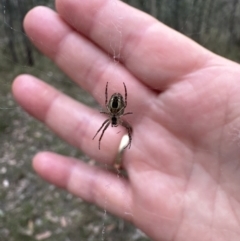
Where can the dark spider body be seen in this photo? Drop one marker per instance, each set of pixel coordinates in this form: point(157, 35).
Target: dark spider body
point(115, 109)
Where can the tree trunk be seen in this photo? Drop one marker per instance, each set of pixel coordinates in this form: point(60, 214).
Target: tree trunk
point(26, 44)
point(153, 8)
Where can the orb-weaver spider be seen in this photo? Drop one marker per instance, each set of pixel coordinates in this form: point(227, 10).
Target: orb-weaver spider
point(115, 109)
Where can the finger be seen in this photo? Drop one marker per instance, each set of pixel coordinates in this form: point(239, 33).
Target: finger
point(83, 61)
point(92, 184)
point(72, 121)
point(148, 48)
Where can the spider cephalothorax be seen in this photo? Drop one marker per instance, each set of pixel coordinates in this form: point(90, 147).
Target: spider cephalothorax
point(115, 109)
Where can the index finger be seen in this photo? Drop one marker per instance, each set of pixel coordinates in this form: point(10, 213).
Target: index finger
point(79, 58)
point(154, 53)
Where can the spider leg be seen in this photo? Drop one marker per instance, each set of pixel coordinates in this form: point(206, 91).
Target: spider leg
point(104, 112)
point(106, 94)
point(129, 130)
point(128, 113)
point(101, 127)
point(125, 88)
point(105, 128)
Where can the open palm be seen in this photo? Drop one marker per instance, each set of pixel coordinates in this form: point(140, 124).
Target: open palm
point(183, 165)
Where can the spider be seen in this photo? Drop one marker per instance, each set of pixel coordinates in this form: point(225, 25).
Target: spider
point(115, 109)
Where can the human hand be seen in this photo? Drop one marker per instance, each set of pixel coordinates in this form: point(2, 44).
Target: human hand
point(183, 165)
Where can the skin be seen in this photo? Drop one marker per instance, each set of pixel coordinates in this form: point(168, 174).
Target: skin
point(184, 163)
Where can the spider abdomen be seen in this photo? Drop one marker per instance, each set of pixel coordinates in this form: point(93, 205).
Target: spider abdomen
point(116, 104)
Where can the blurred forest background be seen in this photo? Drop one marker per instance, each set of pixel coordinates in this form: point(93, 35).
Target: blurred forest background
point(212, 23)
point(31, 209)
